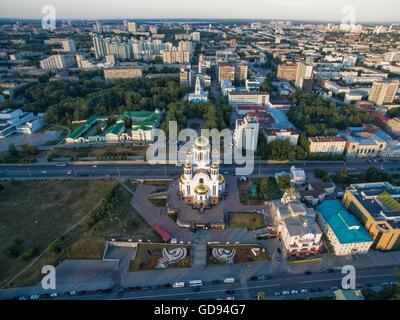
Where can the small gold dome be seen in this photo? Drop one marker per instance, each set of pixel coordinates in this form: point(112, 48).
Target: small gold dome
point(201, 142)
point(221, 179)
point(201, 190)
point(215, 166)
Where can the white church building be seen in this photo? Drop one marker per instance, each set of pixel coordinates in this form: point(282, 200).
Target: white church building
point(199, 95)
point(201, 184)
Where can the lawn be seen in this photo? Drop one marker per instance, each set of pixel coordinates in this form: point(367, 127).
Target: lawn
point(159, 203)
point(250, 221)
point(243, 253)
point(148, 254)
point(114, 217)
point(100, 153)
point(33, 214)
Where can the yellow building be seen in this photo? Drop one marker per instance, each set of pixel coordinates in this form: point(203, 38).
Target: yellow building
point(377, 207)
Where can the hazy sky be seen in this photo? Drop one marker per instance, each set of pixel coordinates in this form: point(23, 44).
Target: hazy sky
point(366, 10)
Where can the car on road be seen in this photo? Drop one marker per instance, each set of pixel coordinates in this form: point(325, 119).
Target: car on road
point(285, 293)
point(303, 291)
point(23, 298)
point(253, 278)
point(35, 297)
point(294, 292)
point(94, 166)
point(61, 165)
point(69, 172)
point(54, 295)
point(277, 293)
point(230, 298)
point(72, 293)
point(44, 171)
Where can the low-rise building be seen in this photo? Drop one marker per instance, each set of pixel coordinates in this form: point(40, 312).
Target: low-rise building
point(281, 134)
point(363, 144)
point(248, 98)
point(317, 191)
point(327, 145)
point(297, 175)
point(141, 128)
point(298, 229)
point(345, 234)
point(16, 120)
point(377, 206)
point(123, 73)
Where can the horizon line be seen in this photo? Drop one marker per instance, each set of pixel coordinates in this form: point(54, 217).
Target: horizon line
point(222, 19)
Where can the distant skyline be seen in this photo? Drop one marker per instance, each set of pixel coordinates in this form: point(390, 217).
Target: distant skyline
point(316, 10)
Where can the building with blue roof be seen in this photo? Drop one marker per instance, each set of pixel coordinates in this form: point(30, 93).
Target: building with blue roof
point(346, 235)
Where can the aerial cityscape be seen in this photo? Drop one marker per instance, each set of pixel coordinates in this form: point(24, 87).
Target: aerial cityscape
point(175, 150)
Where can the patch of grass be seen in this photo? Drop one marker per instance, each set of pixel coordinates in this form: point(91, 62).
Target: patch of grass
point(114, 217)
point(148, 254)
point(159, 203)
point(250, 221)
point(156, 182)
point(34, 214)
point(243, 253)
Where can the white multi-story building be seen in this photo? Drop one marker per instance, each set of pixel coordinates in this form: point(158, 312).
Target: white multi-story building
point(16, 120)
point(298, 229)
point(227, 87)
point(248, 98)
point(246, 133)
point(201, 184)
point(58, 61)
point(327, 145)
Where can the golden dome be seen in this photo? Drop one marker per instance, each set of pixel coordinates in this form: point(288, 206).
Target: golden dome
point(201, 142)
point(188, 166)
point(201, 190)
point(215, 166)
point(221, 179)
point(182, 179)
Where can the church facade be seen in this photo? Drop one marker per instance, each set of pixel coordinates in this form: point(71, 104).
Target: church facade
point(201, 184)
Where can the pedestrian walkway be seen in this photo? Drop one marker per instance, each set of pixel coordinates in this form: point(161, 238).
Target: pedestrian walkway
point(199, 255)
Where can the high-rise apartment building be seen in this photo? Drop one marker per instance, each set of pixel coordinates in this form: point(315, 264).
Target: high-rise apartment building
point(383, 92)
point(246, 133)
point(241, 71)
point(304, 75)
point(226, 72)
point(186, 76)
point(132, 26)
point(99, 47)
point(287, 71)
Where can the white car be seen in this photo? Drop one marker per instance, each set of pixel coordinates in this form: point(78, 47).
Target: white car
point(285, 293)
point(94, 166)
point(294, 292)
point(304, 291)
point(69, 172)
point(72, 293)
point(44, 172)
point(54, 294)
point(35, 297)
point(230, 298)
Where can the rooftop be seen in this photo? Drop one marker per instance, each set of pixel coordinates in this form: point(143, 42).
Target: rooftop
point(345, 226)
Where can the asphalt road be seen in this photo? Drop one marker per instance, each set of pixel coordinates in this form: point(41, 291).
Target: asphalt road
point(139, 171)
point(317, 284)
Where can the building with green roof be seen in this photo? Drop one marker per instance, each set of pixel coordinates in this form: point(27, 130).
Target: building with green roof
point(346, 235)
point(143, 123)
